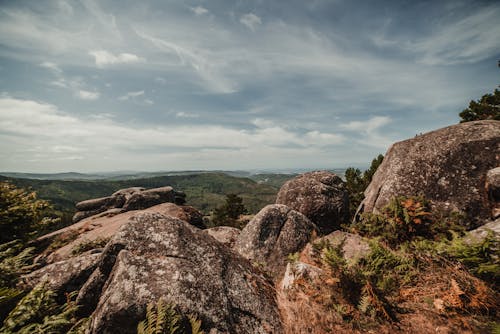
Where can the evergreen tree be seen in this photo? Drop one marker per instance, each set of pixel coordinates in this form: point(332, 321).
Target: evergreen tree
point(230, 211)
point(488, 107)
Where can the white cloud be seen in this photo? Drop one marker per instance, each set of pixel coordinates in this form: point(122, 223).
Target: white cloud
point(51, 66)
point(103, 58)
point(131, 95)
point(86, 95)
point(198, 10)
point(182, 114)
point(368, 132)
point(21, 121)
point(250, 20)
point(369, 125)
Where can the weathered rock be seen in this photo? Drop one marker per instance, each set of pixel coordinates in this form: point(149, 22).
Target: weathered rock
point(128, 192)
point(274, 233)
point(353, 246)
point(99, 203)
point(106, 224)
point(299, 270)
point(321, 196)
point(448, 166)
point(493, 189)
point(224, 234)
point(155, 256)
point(147, 198)
point(480, 233)
point(128, 199)
point(64, 276)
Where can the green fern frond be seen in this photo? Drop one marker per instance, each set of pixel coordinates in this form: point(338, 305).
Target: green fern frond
point(164, 318)
point(195, 324)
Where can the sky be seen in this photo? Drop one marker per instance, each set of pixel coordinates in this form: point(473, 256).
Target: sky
point(93, 86)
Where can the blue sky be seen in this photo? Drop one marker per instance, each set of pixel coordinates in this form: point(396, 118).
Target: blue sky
point(182, 85)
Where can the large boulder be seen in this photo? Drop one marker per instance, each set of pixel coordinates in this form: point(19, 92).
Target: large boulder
point(155, 256)
point(447, 166)
point(321, 196)
point(274, 233)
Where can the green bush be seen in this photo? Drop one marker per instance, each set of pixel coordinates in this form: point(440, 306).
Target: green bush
point(405, 219)
point(357, 182)
point(22, 215)
point(481, 257)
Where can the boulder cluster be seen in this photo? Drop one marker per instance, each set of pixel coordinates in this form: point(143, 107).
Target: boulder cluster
point(237, 281)
point(135, 198)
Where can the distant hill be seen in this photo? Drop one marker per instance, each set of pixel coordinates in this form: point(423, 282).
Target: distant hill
point(205, 190)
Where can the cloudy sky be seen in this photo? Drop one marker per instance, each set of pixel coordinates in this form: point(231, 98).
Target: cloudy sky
point(175, 85)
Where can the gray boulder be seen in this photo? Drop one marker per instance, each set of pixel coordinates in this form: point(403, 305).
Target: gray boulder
point(274, 233)
point(155, 256)
point(321, 196)
point(128, 199)
point(226, 235)
point(64, 276)
point(147, 198)
point(448, 166)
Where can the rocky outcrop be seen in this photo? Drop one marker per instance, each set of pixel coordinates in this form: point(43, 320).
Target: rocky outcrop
point(155, 256)
point(64, 276)
point(274, 233)
point(321, 196)
point(104, 226)
point(135, 198)
point(224, 234)
point(448, 166)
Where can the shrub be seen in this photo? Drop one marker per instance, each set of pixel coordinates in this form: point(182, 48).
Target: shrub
point(22, 215)
point(405, 219)
point(357, 182)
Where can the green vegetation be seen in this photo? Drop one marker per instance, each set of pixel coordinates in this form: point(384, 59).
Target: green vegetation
point(488, 107)
point(38, 312)
point(405, 219)
point(22, 215)
point(228, 213)
point(89, 244)
point(163, 318)
point(479, 256)
point(357, 182)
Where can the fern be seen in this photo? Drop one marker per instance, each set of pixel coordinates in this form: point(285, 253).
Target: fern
point(14, 264)
point(38, 312)
point(195, 324)
point(163, 318)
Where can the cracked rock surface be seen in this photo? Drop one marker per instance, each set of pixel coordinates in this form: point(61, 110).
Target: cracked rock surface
point(155, 256)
